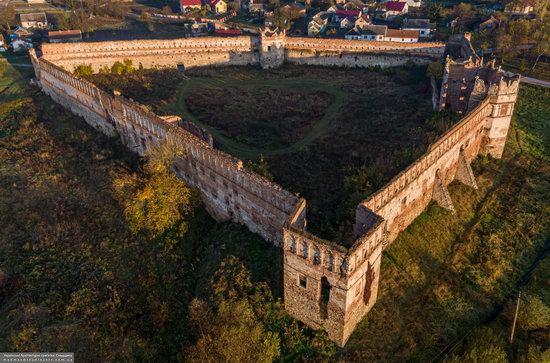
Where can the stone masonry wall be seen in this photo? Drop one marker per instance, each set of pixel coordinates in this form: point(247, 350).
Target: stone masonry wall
point(229, 191)
point(242, 50)
point(325, 284)
point(408, 194)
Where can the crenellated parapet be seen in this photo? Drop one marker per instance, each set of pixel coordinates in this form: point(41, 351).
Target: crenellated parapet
point(326, 285)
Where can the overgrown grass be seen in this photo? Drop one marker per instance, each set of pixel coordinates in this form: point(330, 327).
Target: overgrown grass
point(446, 273)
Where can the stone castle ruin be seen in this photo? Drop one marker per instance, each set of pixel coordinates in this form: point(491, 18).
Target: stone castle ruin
point(325, 284)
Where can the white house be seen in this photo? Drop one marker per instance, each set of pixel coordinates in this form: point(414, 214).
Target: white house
point(414, 3)
point(34, 20)
point(424, 26)
point(402, 36)
point(369, 32)
point(396, 8)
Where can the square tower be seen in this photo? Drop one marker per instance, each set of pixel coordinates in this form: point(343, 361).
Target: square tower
point(328, 286)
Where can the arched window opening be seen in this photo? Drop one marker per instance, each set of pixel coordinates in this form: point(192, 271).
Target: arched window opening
point(324, 298)
point(305, 251)
point(331, 262)
point(316, 256)
point(292, 245)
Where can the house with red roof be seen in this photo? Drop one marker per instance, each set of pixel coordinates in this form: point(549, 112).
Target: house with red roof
point(186, 5)
point(396, 8)
point(217, 6)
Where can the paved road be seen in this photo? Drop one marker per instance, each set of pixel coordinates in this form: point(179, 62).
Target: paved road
point(536, 82)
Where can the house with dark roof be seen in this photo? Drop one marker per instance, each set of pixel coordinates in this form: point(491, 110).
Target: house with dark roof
point(65, 36)
point(187, 5)
point(319, 23)
point(369, 32)
point(294, 10)
point(34, 20)
point(424, 26)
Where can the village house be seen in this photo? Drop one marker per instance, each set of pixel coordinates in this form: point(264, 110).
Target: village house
point(34, 20)
point(217, 6)
point(402, 36)
point(369, 32)
point(294, 10)
point(256, 6)
point(65, 36)
point(348, 23)
point(363, 20)
point(19, 32)
point(520, 7)
point(489, 25)
point(187, 5)
point(414, 3)
point(319, 23)
point(396, 8)
point(424, 26)
point(197, 29)
point(20, 45)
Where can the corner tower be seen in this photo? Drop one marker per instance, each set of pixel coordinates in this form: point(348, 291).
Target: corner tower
point(272, 48)
point(467, 81)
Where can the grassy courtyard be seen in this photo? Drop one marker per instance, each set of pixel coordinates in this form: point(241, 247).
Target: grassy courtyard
point(332, 135)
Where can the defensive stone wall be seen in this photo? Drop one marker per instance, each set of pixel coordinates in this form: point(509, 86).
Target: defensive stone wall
point(270, 49)
point(229, 191)
point(190, 52)
point(325, 284)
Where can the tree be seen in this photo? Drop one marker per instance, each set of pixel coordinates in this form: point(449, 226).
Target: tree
point(230, 333)
point(541, 34)
point(261, 168)
point(533, 313)
point(485, 346)
point(83, 71)
point(435, 69)
point(7, 17)
point(165, 201)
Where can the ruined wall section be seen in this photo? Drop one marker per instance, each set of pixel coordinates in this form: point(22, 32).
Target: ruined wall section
point(190, 52)
point(407, 195)
point(353, 53)
point(229, 191)
point(327, 285)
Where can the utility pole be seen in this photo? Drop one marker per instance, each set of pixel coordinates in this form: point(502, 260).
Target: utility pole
point(515, 319)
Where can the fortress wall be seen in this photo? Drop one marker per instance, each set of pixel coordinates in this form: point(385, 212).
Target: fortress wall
point(364, 46)
point(228, 190)
point(331, 58)
point(155, 53)
point(352, 275)
point(407, 195)
point(354, 53)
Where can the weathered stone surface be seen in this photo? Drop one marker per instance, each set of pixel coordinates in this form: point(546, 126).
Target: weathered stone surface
point(441, 195)
point(325, 284)
point(464, 172)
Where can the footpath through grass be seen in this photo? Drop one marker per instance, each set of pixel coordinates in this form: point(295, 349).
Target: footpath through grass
point(244, 151)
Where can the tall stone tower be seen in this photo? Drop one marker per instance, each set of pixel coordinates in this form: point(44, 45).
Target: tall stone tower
point(328, 286)
point(272, 48)
point(467, 81)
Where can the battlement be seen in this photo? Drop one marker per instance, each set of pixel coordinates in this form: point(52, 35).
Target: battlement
point(325, 284)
